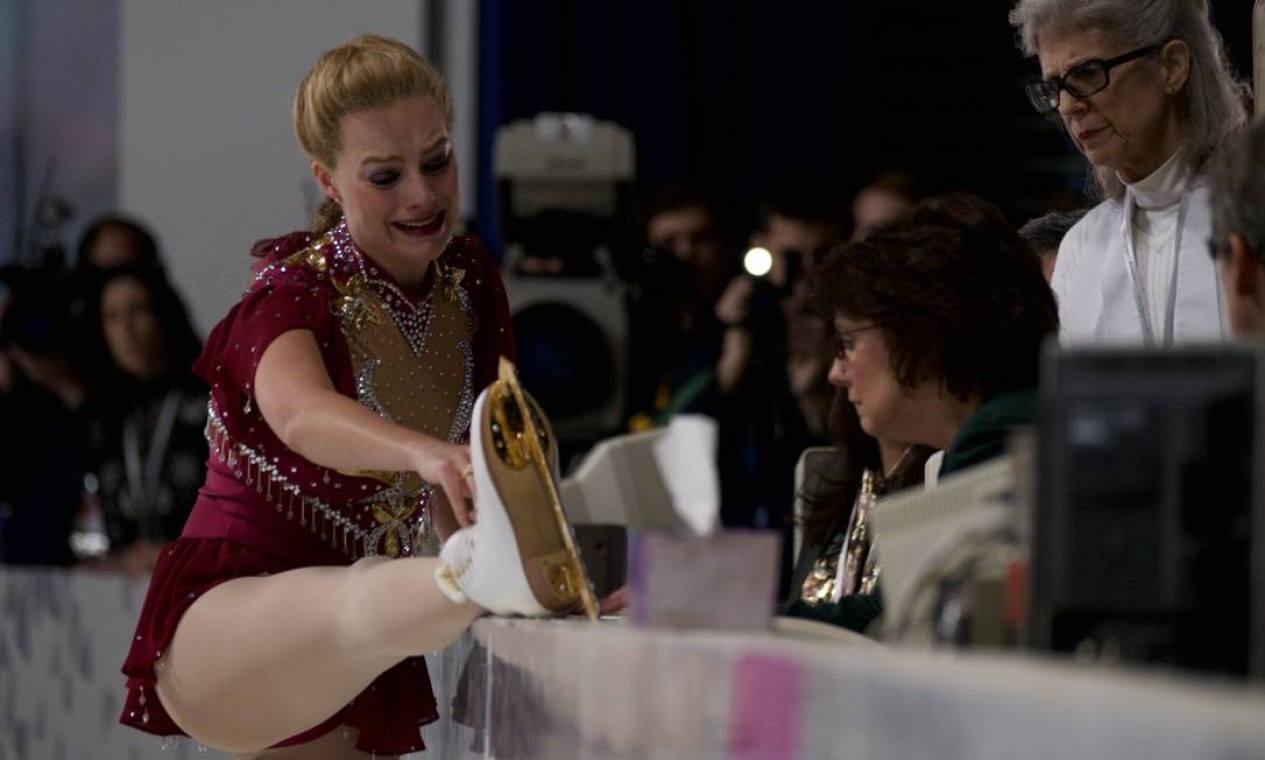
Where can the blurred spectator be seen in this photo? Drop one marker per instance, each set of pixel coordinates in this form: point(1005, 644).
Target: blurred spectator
point(774, 354)
point(885, 197)
point(800, 217)
point(51, 329)
point(1236, 184)
point(1045, 233)
point(112, 242)
point(683, 221)
point(109, 242)
point(676, 339)
point(41, 456)
point(800, 220)
point(146, 436)
point(39, 334)
point(807, 362)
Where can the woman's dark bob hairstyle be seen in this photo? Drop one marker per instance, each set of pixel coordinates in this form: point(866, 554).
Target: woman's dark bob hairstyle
point(959, 296)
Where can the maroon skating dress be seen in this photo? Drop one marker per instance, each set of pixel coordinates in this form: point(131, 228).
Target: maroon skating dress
point(418, 359)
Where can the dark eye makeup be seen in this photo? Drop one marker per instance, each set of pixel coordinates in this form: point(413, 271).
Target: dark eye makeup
point(384, 178)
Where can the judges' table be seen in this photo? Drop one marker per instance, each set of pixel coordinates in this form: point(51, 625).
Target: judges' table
point(566, 688)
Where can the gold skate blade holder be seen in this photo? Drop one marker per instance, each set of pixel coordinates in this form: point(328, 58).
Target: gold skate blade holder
point(524, 448)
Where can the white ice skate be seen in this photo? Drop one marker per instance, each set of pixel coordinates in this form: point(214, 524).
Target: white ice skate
point(519, 557)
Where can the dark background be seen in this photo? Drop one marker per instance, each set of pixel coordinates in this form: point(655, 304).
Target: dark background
point(734, 93)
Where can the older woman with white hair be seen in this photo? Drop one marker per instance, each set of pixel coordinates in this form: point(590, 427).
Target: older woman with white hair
point(1144, 90)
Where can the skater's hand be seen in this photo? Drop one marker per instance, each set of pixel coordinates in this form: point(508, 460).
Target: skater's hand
point(734, 303)
point(449, 467)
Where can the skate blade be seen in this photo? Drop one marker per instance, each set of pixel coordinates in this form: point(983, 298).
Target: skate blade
point(523, 465)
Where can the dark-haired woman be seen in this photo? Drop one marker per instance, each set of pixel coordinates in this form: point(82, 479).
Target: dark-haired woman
point(939, 319)
point(146, 416)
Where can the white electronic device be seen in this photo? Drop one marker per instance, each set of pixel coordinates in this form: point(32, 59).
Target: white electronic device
point(917, 532)
point(619, 483)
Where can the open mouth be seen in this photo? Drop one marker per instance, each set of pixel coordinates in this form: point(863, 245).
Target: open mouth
point(424, 228)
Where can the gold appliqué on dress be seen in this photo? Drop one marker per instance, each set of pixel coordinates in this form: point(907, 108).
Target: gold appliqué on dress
point(449, 277)
point(413, 365)
point(354, 309)
point(393, 524)
point(854, 547)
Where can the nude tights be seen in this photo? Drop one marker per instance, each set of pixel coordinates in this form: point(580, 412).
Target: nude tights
point(259, 659)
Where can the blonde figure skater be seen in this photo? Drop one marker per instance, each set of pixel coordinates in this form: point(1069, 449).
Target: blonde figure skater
point(289, 618)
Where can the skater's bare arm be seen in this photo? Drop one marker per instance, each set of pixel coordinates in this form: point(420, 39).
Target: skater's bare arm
point(298, 401)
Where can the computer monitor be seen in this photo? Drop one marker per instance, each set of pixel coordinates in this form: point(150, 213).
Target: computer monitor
point(622, 484)
point(926, 538)
point(619, 483)
point(1149, 523)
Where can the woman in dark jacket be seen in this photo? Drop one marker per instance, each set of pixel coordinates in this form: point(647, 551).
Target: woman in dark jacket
point(939, 319)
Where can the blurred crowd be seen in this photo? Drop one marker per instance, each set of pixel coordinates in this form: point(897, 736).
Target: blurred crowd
point(103, 446)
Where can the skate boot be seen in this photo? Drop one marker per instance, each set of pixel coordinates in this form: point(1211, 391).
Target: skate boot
point(519, 557)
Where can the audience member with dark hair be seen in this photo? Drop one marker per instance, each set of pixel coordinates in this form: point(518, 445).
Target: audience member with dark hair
point(799, 218)
point(676, 340)
point(1236, 183)
point(145, 433)
point(117, 241)
point(53, 329)
point(110, 242)
point(939, 319)
point(762, 428)
point(684, 221)
point(882, 199)
point(1045, 233)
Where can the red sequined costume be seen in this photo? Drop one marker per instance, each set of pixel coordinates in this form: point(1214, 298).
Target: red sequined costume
point(418, 359)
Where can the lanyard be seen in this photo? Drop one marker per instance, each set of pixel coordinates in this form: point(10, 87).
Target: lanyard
point(143, 484)
point(1139, 288)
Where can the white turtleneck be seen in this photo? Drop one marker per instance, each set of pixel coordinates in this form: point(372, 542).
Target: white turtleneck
point(1097, 300)
point(1157, 201)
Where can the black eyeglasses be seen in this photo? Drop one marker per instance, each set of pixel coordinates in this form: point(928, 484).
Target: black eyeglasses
point(1216, 248)
point(845, 342)
point(1081, 81)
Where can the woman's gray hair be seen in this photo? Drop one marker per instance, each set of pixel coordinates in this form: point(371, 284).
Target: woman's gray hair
point(1212, 104)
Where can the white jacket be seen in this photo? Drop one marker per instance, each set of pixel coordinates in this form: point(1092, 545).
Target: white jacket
point(1092, 281)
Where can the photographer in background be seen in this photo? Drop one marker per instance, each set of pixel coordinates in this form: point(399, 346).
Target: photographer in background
point(767, 378)
point(676, 338)
point(41, 446)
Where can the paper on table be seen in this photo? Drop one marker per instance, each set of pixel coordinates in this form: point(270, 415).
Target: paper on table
point(686, 457)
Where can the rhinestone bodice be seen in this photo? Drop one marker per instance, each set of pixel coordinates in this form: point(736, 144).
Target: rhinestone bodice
point(406, 357)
